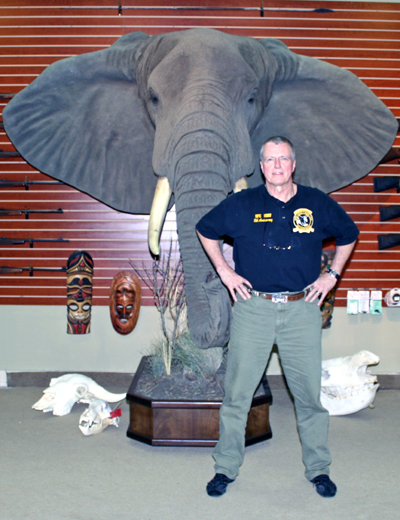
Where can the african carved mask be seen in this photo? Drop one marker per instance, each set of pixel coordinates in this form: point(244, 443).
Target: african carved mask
point(79, 292)
point(125, 298)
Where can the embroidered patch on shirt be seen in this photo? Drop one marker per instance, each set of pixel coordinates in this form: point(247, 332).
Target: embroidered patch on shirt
point(303, 221)
point(260, 217)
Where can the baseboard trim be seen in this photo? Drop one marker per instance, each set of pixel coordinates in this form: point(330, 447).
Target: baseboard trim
point(123, 379)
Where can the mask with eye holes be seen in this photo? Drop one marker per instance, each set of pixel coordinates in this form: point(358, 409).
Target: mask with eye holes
point(79, 292)
point(125, 298)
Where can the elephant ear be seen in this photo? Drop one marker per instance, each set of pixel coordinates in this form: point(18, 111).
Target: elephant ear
point(82, 122)
point(339, 128)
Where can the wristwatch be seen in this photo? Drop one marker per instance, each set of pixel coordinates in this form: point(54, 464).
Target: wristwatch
point(333, 273)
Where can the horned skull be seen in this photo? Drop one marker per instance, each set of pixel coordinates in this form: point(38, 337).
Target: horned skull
point(346, 386)
point(64, 391)
point(97, 417)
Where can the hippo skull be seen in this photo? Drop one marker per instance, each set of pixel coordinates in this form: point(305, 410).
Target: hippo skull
point(346, 386)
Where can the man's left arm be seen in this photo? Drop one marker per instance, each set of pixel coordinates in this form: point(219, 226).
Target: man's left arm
point(325, 282)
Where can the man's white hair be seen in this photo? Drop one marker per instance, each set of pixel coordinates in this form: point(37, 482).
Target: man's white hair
point(278, 139)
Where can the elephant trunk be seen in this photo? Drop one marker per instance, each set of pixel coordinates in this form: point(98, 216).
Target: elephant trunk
point(204, 157)
point(201, 182)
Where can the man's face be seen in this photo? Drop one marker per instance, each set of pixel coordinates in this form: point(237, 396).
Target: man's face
point(277, 164)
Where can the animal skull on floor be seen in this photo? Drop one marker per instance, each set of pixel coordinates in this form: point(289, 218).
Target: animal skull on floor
point(346, 386)
point(64, 391)
point(97, 417)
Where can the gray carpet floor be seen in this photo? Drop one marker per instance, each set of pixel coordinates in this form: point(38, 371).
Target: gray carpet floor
point(50, 471)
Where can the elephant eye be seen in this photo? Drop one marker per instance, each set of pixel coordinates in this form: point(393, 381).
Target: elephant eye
point(153, 98)
point(251, 100)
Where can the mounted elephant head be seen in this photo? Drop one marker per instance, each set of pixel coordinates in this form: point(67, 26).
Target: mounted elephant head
point(193, 108)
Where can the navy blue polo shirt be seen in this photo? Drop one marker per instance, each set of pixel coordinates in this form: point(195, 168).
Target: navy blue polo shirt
point(278, 245)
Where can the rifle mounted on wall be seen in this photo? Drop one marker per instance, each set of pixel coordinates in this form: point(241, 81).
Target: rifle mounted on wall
point(6, 183)
point(5, 269)
point(4, 154)
point(26, 211)
point(4, 241)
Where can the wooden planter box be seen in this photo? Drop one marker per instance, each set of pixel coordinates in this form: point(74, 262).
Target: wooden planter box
point(190, 423)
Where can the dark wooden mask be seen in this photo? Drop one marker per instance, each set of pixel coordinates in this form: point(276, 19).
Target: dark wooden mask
point(125, 300)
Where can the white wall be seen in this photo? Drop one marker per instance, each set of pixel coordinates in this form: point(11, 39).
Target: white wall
point(34, 338)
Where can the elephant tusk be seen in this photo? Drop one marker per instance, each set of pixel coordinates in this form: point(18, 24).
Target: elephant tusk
point(240, 185)
point(162, 196)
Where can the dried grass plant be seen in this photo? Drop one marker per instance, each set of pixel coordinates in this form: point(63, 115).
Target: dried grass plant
point(166, 282)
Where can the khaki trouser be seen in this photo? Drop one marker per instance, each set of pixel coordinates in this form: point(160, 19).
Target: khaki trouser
point(296, 328)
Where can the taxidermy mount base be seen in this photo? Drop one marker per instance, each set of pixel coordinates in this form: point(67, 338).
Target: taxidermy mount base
point(189, 422)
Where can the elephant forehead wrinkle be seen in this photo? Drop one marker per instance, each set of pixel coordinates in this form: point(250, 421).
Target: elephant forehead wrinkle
point(206, 133)
point(200, 161)
point(206, 124)
point(203, 102)
point(209, 89)
point(200, 180)
point(196, 142)
point(199, 201)
point(184, 186)
point(205, 117)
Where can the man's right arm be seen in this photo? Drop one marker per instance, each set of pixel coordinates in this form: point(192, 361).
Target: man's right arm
point(232, 280)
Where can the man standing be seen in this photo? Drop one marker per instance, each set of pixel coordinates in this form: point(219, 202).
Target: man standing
point(277, 288)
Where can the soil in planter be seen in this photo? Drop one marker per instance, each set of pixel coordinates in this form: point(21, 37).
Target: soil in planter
point(184, 385)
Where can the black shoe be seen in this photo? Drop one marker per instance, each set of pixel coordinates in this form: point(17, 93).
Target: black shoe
point(324, 486)
point(217, 486)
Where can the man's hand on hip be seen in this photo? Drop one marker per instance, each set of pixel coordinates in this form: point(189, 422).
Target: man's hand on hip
point(229, 277)
point(234, 282)
point(320, 288)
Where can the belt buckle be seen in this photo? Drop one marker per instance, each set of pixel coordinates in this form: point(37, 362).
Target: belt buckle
point(279, 298)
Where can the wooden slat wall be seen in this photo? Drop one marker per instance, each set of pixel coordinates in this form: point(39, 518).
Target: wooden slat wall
point(362, 37)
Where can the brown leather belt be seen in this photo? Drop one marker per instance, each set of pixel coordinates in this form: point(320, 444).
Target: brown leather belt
point(282, 297)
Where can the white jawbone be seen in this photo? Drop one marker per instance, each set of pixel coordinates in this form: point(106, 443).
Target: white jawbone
point(346, 386)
